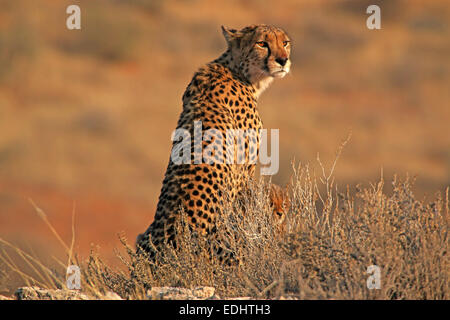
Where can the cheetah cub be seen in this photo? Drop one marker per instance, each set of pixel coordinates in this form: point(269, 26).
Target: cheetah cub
point(221, 96)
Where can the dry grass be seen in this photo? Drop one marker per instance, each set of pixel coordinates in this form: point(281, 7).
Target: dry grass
point(327, 242)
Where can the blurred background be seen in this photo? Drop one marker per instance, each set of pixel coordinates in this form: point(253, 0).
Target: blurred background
point(86, 115)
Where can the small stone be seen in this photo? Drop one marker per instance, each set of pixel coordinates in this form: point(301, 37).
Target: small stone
point(173, 293)
point(203, 292)
point(35, 293)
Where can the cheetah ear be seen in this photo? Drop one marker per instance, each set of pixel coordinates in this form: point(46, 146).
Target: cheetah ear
point(230, 34)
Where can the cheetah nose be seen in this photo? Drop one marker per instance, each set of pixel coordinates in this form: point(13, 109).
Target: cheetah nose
point(281, 61)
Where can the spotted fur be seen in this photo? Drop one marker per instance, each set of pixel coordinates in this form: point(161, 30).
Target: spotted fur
point(223, 95)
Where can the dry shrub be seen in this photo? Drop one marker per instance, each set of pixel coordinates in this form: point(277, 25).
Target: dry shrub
point(318, 254)
point(321, 250)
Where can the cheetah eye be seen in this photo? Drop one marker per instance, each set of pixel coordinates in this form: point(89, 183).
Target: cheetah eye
point(262, 44)
point(285, 43)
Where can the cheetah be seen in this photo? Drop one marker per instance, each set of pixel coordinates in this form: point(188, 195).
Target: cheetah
point(280, 202)
point(222, 95)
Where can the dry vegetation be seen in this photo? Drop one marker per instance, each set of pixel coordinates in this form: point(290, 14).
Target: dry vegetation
point(321, 251)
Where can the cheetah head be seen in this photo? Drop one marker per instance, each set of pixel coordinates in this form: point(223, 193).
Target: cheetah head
point(259, 52)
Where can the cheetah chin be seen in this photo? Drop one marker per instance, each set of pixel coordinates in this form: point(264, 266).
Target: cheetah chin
point(279, 74)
